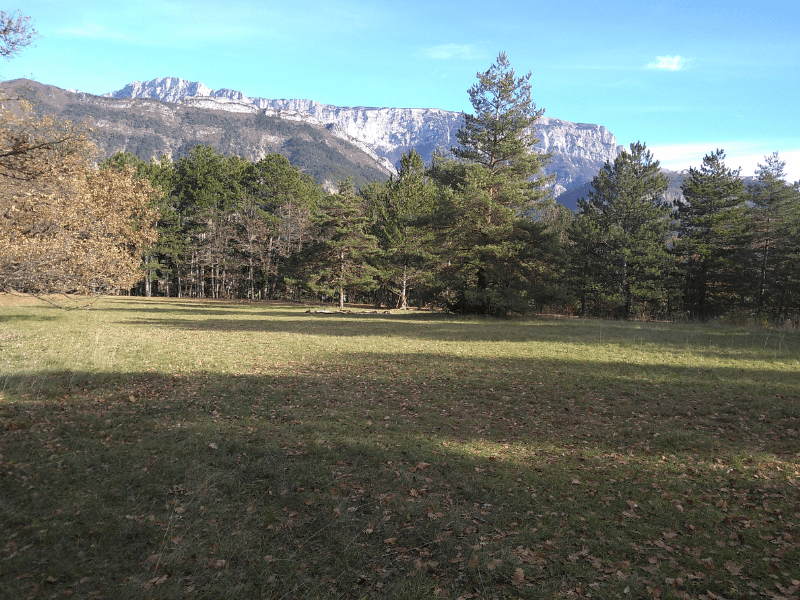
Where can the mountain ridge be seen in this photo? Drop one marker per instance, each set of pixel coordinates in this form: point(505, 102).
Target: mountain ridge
point(579, 149)
point(150, 128)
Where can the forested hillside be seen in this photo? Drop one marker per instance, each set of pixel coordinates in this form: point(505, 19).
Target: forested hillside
point(478, 233)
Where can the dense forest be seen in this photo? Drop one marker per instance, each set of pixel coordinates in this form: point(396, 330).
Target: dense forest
point(475, 231)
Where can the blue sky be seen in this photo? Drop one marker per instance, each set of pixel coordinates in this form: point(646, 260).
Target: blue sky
point(683, 77)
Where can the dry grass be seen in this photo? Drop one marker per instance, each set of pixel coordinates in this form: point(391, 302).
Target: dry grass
point(173, 448)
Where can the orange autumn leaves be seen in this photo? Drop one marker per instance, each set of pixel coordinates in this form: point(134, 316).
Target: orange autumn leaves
point(67, 227)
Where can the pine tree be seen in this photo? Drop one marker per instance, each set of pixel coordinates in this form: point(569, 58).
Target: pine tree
point(712, 232)
point(398, 208)
point(775, 211)
point(627, 212)
point(500, 137)
point(342, 259)
point(490, 253)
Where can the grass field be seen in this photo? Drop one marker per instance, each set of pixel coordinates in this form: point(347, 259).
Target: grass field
point(164, 448)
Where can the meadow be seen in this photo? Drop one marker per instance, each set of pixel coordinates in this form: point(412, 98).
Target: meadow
point(167, 448)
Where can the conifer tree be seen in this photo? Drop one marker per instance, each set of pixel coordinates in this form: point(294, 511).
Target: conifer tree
point(398, 208)
point(342, 259)
point(500, 136)
point(712, 232)
point(775, 210)
point(490, 253)
point(628, 213)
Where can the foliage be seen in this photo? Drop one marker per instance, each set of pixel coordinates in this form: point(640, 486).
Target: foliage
point(490, 253)
point(66, 226)
point(775, 213)
point(629, 223)
point(712, 237)
point(342, 257)
point(500, 137)
point(399, 209)
point(472, 232)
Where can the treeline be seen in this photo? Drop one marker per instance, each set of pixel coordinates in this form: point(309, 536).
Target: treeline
point(230, 228)
point(475, 231)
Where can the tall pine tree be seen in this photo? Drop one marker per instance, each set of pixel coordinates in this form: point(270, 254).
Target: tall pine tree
point(490, 253)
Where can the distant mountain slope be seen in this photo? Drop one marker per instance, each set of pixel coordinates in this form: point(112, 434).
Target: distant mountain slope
point(151, 128)
point(674, 192)
point(570, 197)
point(579, 149)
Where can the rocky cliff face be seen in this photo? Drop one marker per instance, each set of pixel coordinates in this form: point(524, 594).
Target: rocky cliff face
point(579, 149)
point(150, 128)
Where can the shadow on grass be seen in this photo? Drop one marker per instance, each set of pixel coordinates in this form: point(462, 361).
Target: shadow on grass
point(26, 317)
point(384, 477)
point(720, 342)
point(732, 409)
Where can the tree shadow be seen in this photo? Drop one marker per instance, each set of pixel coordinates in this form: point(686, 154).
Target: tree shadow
point(201, 467)
point(26, 317)
point(734, 409)
point(722, 342)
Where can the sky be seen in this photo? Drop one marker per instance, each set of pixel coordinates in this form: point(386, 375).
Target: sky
point(684, 77)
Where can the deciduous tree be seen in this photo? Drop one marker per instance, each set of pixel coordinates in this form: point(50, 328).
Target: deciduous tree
point(85, 235)
point(66, 227)
point(16, 33)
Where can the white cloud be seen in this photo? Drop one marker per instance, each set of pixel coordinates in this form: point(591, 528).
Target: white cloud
point(450, 51)
point(668, 63)
point(747, 155)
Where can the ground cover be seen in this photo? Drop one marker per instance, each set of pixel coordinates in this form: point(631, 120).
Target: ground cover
point(164, 448)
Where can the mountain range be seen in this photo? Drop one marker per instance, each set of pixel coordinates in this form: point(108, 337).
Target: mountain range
point(579, 149)
point(168, 116)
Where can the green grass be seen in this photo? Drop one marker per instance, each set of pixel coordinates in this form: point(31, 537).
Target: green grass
point(183, 449)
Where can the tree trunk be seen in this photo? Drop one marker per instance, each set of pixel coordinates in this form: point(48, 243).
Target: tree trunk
point(148, 289)
point(403, 297)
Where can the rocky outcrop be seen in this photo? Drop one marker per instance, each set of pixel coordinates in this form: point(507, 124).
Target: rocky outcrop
point(579, 149)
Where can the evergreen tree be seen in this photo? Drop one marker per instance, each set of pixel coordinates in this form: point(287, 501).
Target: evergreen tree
point(500, 137)
point(627, 212)
point(397, 208)
point(342, 259)
point(291, 197)
point(775, 210)
point(491, 255)
point(712, 232)
point(586, 254)
point(208, 186)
